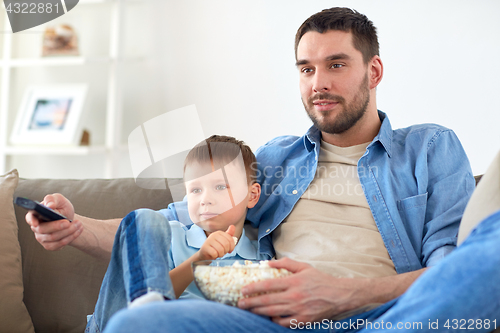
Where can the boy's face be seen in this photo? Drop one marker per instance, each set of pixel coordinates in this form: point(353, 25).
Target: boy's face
point(217, 199)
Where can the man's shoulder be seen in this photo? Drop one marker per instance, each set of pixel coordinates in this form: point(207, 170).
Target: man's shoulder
point(421, 132)
point(279, 149)
point(281, 141)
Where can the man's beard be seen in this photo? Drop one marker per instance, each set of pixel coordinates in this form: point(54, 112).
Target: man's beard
point(347, 117)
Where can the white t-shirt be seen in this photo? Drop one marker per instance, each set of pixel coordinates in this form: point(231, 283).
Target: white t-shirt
point(331, 227)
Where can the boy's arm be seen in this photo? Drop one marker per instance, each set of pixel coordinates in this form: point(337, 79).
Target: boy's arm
point(182, 275)
point(216, 246)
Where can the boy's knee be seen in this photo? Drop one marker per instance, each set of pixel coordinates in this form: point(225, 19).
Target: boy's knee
point(145, 219)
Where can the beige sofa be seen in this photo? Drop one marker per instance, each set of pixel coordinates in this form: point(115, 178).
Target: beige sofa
point(47, 291)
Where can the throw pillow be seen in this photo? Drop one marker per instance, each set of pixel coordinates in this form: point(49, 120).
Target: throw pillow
point(484, 201)
point(13, 314)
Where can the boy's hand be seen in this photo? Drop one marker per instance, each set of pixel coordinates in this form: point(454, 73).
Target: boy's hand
point(218, 244)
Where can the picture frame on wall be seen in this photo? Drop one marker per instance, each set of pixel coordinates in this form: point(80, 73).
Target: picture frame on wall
point(50, 115)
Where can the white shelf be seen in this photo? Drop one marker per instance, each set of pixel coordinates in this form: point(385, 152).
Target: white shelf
point(111, 148)
point(54, 150)
point(52, 61)
point(91, 2)
point(88, 2)
point(60, 61)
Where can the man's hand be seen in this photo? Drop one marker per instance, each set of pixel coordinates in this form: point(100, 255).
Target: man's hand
point(218, 244)
point(57, 234)
point(310, 295)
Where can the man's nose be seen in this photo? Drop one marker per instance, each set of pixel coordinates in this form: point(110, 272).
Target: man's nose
point(321, 82)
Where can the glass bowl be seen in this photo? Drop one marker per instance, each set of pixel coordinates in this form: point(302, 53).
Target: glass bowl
point(221, 280)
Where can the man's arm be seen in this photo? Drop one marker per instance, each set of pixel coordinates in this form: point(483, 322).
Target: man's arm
point(449, 188)
point(310, 295)
point(97, 237)
point(94, 237)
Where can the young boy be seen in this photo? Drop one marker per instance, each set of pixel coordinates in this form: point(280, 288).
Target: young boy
point(151, 257)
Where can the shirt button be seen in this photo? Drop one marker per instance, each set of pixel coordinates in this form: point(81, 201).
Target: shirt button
point(374, 198)
point(268, 230)
point(294, 191)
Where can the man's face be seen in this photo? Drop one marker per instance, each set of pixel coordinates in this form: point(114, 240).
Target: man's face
point(333, 80)
point(215, 199)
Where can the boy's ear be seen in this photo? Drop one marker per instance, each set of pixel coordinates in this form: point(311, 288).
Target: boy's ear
point(254, 195)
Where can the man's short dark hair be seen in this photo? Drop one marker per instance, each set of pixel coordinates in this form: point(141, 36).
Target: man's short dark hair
point(364, 33)
point(220, 150)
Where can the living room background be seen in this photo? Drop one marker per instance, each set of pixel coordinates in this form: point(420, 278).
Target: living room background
point(235, 62)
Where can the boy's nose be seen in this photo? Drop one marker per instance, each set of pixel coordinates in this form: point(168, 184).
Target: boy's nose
point(206, 200)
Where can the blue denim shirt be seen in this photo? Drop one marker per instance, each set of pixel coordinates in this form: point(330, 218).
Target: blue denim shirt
point(417, 182)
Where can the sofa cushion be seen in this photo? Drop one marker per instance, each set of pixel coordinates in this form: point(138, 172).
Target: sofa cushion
point(13, 314)
point(484, 201)
point(61, 287)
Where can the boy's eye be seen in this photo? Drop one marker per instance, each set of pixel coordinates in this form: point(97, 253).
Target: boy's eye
point(195, 190)
point(221, 187)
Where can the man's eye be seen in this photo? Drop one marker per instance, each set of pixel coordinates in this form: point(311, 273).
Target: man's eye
point(337, 66)
point(221, 187)
point(306, 70)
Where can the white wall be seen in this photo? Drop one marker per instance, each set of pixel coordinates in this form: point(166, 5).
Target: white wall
point(235, 61)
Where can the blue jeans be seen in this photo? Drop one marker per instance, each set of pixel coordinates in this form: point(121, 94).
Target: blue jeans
point(139, 263)
point(461, 290)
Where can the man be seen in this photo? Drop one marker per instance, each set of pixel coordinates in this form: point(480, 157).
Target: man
point(414, 184)
point(401, 221)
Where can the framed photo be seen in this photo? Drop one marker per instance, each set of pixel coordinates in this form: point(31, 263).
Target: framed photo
point(59, 40)
point(50, 115)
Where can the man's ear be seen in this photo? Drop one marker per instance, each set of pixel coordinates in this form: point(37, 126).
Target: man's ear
point(375, 71)
point(254, 190)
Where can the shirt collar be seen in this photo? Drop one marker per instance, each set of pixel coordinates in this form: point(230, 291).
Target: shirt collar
point(195, 237)
point(312, 138)
point(384, 135)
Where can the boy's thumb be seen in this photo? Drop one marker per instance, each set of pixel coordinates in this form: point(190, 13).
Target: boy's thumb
point(231, 230)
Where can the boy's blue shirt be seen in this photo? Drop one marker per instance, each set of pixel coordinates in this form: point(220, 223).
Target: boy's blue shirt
point(186, 241)
point(417, 182)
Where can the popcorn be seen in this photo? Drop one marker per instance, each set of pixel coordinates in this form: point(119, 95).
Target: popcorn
point(223, 283)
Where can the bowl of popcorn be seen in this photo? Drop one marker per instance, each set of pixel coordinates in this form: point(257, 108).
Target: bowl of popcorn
point(221, 280)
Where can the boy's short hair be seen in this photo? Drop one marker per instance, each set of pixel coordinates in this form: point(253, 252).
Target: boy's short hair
point(220, 150)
